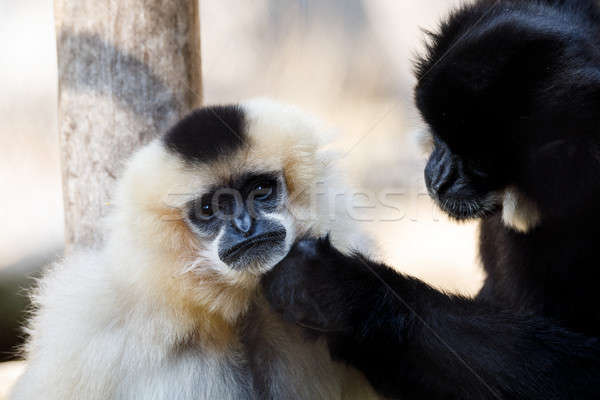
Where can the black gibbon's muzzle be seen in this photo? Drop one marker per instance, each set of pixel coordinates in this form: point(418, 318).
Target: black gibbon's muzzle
point(449, 177)
point(441, 171)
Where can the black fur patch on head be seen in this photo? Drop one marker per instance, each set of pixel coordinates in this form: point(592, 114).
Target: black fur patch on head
point(208, 133)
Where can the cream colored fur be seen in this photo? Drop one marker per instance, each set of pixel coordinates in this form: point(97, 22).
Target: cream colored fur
point(155, 315)
point(519, 212)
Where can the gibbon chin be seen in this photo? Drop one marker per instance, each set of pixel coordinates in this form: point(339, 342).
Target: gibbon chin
point(170, 306)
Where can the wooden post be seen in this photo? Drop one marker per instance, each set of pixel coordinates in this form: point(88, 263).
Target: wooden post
point(127, 71)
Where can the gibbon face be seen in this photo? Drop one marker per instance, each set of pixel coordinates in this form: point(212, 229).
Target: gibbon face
point(512, 108)
point(243, 218)
point(219, 200)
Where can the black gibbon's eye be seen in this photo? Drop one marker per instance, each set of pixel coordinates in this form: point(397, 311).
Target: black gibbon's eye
point(263, 190)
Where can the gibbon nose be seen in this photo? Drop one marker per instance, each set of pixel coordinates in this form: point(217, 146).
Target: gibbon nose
point(440, 171)
point(243, 222)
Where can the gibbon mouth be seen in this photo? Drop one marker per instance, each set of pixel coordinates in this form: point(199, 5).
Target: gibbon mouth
point(259, 244)
point(469, 208)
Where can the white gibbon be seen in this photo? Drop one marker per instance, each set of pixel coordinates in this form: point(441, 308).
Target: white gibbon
point(170, 307)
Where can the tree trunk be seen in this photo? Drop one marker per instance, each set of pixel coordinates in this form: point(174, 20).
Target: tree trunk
point(127, 71)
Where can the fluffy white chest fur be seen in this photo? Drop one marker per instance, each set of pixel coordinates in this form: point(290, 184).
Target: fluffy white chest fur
point(100, 347)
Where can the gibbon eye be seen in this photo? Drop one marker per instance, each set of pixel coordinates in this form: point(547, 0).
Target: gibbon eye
point(206, 210)
point(202, 209)
point(263, 190)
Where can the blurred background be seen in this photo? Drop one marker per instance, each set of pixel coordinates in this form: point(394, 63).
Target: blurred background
point(347, 61)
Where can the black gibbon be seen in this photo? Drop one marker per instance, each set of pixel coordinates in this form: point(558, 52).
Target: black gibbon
point(511, 93)
point(170, 307)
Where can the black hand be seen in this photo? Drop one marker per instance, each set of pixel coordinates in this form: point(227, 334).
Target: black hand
point(412, 341)
point(318, 287)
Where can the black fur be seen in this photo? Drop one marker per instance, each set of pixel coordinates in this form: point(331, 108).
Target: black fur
point(414, 342)
point(208, 133)
point(511, 91)
point(513, 88)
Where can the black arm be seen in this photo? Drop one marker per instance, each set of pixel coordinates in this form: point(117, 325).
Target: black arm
point(412, 341)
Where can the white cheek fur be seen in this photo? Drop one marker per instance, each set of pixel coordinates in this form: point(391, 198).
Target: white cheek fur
point(519, 212)
point(290, 236)
point(208, 257)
